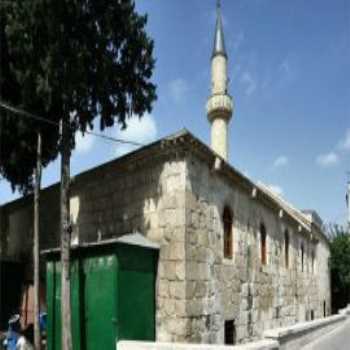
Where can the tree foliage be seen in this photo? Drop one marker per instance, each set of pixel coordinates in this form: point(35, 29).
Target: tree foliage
point(73, 60)
point(340, 266)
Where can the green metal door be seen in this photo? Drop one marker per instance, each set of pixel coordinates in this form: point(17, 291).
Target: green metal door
point(136, 284)
point(53, 295)
point(53, 280)
point(100, 302)
point(112, 296)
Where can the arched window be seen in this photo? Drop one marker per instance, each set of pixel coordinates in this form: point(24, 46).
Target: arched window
point(313, 258)
point(228, 239)
point(263, 244)
point(302, 256)
point(286, 248)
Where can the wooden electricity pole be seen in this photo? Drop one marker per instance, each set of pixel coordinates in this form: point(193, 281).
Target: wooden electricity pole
point(65, 238)
point(36, 246)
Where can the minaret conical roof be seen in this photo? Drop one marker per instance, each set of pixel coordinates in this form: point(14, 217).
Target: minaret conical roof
point(219, 41)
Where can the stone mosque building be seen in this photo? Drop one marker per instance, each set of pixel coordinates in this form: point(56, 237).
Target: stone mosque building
point(235, 259)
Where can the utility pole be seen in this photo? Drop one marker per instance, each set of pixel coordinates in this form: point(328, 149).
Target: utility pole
point(36, 246)
point(1, 232)
point(65, 236)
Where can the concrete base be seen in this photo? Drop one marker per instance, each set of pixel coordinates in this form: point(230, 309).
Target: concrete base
point(133, 345)
point(288, 338)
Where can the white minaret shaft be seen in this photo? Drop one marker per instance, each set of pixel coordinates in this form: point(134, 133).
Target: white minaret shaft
point(220, 105)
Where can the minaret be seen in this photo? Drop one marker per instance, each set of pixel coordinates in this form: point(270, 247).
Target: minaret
point(219, 105)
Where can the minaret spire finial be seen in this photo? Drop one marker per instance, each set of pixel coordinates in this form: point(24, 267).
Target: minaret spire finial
point(219, 42)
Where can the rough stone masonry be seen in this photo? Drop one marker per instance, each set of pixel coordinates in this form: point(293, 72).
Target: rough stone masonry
point(174, 192)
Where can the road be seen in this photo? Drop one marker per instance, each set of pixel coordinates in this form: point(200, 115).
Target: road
point(339, 339)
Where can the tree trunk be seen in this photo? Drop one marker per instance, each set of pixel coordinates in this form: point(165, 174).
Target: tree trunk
point(65, 238)
point(36, 246)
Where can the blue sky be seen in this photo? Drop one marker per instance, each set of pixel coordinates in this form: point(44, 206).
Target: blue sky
point(289, 66)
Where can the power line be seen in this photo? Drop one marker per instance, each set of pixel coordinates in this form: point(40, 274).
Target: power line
point(47, 121)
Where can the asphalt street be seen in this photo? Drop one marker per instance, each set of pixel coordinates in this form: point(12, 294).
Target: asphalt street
point(338, 339)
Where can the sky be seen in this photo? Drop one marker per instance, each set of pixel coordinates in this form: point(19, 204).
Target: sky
point(289, 67)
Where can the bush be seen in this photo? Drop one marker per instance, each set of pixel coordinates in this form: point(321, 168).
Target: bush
point(339, 266)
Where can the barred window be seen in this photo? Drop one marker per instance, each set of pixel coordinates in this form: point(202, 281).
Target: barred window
point(263, 253)
point(228, 239)
point(286, 248)
point(302, 251)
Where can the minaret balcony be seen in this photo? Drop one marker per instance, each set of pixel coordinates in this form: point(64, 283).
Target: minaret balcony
point(219, 106)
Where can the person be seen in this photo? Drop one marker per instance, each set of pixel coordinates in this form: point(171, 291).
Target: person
point(12, 335)
point(25, 340)
point(24, 344)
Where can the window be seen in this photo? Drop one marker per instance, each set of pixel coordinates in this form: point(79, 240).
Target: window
point(302, 256)
point(313, 262)
point(263, 244)
point(286, 249)
point(230, 332)
point(312, 315)
point(324, 308)
point(228, 241)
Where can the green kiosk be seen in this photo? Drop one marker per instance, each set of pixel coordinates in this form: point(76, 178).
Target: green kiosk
point(112, 293)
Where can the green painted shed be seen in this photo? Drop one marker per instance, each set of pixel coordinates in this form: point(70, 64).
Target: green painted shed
point(112, 293)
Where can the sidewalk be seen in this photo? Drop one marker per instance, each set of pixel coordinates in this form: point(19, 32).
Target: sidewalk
point(339, 339)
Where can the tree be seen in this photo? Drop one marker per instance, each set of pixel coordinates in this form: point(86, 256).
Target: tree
point(19, 153)
point(69, 61)
point(18, 136)
point(339, 266)
point(80, 57)
point(36, 244)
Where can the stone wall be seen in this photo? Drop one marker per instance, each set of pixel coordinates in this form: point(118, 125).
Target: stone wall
point(145, 195)
point(173, 196)
point(255, 296)
point(149, 199)
point(16, 230)
point(323, 276)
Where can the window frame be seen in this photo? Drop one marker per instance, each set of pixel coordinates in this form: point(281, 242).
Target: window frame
point(263, 244)
point(227, 219)
point(302, 253)
point(313, 261)
point(286, 248)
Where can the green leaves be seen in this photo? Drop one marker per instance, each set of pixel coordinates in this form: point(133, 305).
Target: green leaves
point(339, 264)
point(63, 57)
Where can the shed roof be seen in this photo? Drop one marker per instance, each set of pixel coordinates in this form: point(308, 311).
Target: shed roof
point(135, 239)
